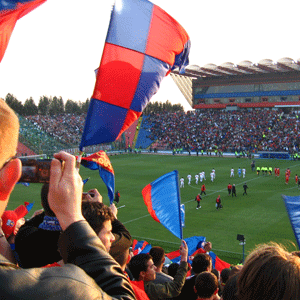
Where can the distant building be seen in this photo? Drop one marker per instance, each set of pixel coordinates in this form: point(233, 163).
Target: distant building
point(246, 85)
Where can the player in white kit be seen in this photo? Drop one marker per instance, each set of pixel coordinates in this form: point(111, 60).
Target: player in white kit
point(182, 182)
point(189, 177)
point(196, 178)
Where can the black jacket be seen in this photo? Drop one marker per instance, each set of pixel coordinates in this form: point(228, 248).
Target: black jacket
point(83, 253)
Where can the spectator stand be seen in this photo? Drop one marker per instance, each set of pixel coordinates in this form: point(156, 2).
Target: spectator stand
point(143, 140)
point(38, 140)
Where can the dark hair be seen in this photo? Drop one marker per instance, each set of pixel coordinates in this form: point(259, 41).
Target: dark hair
point(138, 264)
point(269, 273)
point(225, 273)
point(206, 284)
point(158, 255)
point(230, 288)
point(44, 200)
point(172, 269)
point(216, 272)
point(96, 213)
point(201, 262)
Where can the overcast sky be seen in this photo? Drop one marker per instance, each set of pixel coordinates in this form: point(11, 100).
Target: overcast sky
point(54, 50)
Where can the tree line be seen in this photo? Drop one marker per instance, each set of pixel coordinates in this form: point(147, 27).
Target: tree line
point(157, 107)
point(46, 106)
point(55, 105)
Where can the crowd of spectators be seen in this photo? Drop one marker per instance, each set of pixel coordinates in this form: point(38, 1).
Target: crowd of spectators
point(230, 131)
point(94, 260)
point(66, 128)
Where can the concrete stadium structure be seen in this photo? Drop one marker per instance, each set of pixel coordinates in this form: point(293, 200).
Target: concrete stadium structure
point(247, 85)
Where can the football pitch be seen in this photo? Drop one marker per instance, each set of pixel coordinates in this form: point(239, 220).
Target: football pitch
point(260, 216)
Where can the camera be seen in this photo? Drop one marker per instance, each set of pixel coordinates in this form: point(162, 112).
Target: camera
point(35, 171)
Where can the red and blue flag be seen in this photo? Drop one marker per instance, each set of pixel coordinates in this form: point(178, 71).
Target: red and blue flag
point(140, 247)
point(195, 245)
point(162, 199)
point(100, 161)
point(10, 12)
point(143, 45)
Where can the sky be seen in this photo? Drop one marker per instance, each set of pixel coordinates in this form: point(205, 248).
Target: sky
point(55, 49)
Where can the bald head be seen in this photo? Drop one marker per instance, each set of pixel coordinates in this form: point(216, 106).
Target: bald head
point(9, 132)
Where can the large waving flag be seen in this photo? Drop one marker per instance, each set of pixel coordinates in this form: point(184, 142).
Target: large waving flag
point(143, 45)
point(100, 161)
point(292, 205)
point(10, 12)
point(162, 199)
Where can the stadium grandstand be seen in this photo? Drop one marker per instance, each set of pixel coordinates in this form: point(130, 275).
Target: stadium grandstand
point(246, 85)
point(228, 101)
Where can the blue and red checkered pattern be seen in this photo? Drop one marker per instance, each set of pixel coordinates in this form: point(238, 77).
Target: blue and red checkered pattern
point(143, 45)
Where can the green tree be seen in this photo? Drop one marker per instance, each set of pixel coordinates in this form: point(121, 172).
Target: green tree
point(14, 104)
point(30, 107)
point(72, 107)
point(43, 105)
point(56, 106)
point(85, 106)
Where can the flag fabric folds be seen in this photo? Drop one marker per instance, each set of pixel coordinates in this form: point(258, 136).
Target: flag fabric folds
point(143, 45)
point(100, 161)
point(292, 205)
point(10, 13)
point(162, 199)
point(195, 245)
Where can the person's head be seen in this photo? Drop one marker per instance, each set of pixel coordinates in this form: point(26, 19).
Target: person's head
point(230, 288)
point(217, 273)
point(10, 169)
point(201, 262)
point(142, 267)
point(158, 256)
point(270, 273)
point(99, 216)
point(206, 285)
point(224, 275)
point(172, 269)
point(44, 200)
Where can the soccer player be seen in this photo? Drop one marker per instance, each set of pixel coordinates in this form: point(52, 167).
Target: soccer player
point(203, 189)
point(189, 177)
point(233, 192)
point(201, 175)
point(182, 182)
point(245, 186)
point(229, 188)
point(198, 199)
point(244, 172)
point(296, 179)
point(218, 202)
point(232, 172)
point(212, 176)
point(240, 172)
point(196, 178)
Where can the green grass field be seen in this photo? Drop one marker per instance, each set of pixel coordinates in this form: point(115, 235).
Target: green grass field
point(260, 216)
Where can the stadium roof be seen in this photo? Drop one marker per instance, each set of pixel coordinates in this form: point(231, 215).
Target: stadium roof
point(246, 68)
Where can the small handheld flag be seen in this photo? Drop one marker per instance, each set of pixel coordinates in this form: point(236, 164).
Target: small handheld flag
point(100, 161)
point(162, 199)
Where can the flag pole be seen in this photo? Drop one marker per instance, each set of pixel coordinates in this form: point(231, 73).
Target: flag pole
point(78, 161)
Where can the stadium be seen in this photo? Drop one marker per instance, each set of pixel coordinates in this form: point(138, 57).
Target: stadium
point(119, 197)
point(260, 99)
